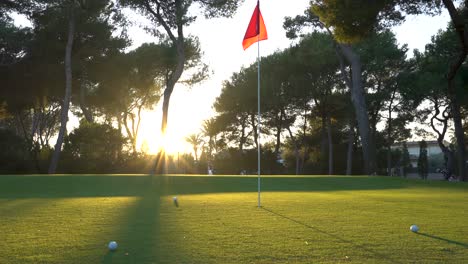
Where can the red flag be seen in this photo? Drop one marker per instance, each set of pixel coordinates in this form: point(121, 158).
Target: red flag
point(256, 30)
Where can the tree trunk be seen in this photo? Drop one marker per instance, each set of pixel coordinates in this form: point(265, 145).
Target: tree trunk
point(87, 114)
point(389, 142)
point(450, 161)
point(119, 127)
point(323, 146)
point(462, 32)
point(195, 152)
point(140, 107)
point(254, 129)
point(359, 102)
point(448, 154)
point(305, 150)
point(243, 137)
point(459, 134)
point(330, 147)
point(29, 137)
point(167, 95)
point(67, 97)
point(389, 133)
point(179, 69)
point(130, 133)
point(35, 146)
point(296, 151)
point(349, 160)
point(279, 126)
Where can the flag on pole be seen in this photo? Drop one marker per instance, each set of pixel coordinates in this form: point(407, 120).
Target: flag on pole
point(256, 30)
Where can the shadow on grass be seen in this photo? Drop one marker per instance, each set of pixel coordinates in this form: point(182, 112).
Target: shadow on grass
point(384, 258)
point(444, 239)
point(139, 233)
point(107, 259)
point(47, 186)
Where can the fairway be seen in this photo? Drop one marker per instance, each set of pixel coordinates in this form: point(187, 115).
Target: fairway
point(313, 219)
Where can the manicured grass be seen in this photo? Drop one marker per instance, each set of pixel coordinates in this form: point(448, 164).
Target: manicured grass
point(71, 218)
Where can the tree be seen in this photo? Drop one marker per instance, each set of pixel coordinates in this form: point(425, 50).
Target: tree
point(54, 15)
point(459, 22)
point(93, 146)
point(235, 105)
point(317, 64)
point(37, 73)
point(285, 82)
point(26, 112)
point(379, 14)
point(173, 17)
point(68, 88)
point(136, 80)
point(195, 140)
point(405, 160)
point(14, 153)
point(422, 160)
point(302, 85)
point(352, 79)
point(354, 21)
point(14, 42)
point(211, 131)
point(426, 83)
point(383, 62)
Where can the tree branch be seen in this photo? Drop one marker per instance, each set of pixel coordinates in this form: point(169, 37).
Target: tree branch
point(159, 17)
point(462, 35)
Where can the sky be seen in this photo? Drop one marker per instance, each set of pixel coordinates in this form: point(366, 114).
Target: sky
point(221, 43)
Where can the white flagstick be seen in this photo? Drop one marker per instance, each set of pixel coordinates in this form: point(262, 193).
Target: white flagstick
point(258, 122)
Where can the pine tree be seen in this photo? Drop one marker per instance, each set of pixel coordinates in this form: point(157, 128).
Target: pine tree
point(422, 160)
point(405, 160)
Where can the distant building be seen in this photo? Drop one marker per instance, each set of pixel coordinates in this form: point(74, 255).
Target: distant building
point(433, 149)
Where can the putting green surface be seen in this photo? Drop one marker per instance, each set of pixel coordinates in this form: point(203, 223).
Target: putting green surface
point(316, 219)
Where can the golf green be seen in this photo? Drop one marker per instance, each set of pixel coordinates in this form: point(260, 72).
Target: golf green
point(310, 219)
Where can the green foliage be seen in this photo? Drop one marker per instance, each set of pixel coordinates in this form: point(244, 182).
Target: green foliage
point(353, 21)
point(427, 75)
point(195, 140)
point(383, 64)
point(233, 161)
point(168, 9)
point(303, 81)
point(14, 156)
point(427, 83)
point(15, 45)
point(14, 42)
point(294, 26)
point(93, 147)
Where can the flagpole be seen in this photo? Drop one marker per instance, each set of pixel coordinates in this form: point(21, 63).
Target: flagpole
point(256, 28)
point(259, 118)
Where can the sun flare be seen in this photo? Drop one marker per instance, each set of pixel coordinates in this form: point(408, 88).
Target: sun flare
point(170, 144)
point(151, 141)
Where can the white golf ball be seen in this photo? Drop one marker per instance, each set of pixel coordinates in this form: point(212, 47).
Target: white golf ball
point(176, 203)
point(112, 245)
point(414, 228)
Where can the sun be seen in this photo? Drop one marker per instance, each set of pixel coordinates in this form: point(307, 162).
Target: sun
point(170, 144)
point(151, 140)
point(187, 111)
